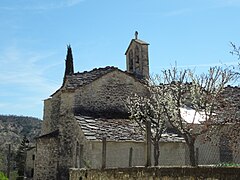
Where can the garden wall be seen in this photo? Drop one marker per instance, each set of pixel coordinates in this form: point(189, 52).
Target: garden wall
point(157, 173)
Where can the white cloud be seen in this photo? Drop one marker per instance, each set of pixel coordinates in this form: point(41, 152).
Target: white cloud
point(21, 67)
point(23, 81)
point(40, 5)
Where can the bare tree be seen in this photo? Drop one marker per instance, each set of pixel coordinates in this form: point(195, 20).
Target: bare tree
point(143, 109)
point(227, 122)
point(176, 91)
point(235, 50)
point(185, 90)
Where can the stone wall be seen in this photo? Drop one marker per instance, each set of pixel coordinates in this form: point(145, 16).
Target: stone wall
point(105, 96)
point(157, 173)
point(171, 153)
point(55, 155)
point(70, 136)
point(137, 61)
point(30, 159)
point(51, 114)
point(209, 151)
point(46, 161)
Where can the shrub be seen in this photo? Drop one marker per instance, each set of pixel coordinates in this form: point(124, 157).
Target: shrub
point(228, 165)
point(2, 176)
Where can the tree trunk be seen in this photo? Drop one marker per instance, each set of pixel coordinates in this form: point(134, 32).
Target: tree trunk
point(192, 153)
point(156, 152)
point(149, 144)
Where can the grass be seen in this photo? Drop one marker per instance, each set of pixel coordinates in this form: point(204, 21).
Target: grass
point(228, 165)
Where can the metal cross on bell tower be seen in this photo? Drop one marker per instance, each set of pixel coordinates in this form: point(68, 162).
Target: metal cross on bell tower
point(136, 35)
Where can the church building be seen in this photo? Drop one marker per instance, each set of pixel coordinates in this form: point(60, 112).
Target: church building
point(88, 110)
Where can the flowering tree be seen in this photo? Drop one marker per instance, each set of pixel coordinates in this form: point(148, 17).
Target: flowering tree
point(176, 91)
point(149, 109)
point(185, 90)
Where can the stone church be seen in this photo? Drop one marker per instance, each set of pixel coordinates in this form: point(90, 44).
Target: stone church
point(90, 106)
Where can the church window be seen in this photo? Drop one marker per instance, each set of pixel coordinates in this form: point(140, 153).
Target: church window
point(131, 60)
point(137, 54)
point(32, 172)
point(137, 66)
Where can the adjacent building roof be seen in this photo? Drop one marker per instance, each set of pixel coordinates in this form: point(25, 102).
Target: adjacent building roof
point(116, 130)
point(191, 116)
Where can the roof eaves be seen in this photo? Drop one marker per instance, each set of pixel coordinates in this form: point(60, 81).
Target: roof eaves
point(137, 41)
point(49, 135)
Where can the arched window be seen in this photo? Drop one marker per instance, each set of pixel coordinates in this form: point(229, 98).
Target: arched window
point(130, 60)
point(137, 66)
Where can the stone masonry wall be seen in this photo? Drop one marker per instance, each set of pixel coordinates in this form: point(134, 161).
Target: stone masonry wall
point(142, 66)
point(51, 114)
point(46, 162)
point(118, 154)
point(106, 96)
point(70, 136)
point(209, 151)
point(30, 159)
point(157, 173)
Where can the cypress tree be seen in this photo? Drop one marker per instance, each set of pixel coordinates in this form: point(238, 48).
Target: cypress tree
point(21, 157)
point(69, 62)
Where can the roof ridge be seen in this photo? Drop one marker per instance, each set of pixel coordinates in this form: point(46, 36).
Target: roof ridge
point(95, 69)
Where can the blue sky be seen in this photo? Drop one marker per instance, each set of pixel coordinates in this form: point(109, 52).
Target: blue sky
point(34, 35)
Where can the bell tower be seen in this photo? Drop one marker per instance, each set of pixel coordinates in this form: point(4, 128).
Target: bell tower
point(137, 58)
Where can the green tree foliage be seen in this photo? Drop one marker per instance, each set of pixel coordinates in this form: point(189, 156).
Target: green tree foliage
point(2, 176)
point(69, 61)
point(21, 156)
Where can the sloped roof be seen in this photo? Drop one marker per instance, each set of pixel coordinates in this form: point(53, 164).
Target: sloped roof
point(86, 77)
point(140, 41)
point(137, 41)
point(113, 129)
point(191, 116)
point(116, 130)
point(49, 135)
point(83, 78)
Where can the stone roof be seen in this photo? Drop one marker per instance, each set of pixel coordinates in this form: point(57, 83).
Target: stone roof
point(116, 130)
point(79, 79)
point(140, 41)
point(230, 100)
point(82, 78)
point(137, 41)
point(49, 135)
